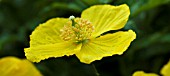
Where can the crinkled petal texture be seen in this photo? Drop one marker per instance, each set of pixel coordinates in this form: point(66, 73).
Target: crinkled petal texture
point(12, 66)
point(106, 17)
point(141, 73)
point(165, 71)
point(45, 42)
point(47, 33)
point(107, 45)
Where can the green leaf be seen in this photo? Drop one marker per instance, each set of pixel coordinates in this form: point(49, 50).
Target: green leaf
point(165, 38)
point(149, 5)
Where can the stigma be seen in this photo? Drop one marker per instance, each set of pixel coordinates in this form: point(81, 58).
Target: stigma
point(77, 29)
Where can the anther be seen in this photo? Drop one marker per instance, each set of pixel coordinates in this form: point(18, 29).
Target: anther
point(77, 29)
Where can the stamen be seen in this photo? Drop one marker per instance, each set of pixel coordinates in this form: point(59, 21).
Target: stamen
point(77, 29)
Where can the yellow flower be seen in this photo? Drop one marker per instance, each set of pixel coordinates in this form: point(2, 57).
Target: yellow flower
point(82, 36)
point(12, 66)
point(165, 71)
point(141, 73)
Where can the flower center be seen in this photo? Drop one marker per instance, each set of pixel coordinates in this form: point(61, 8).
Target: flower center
point(77, 29)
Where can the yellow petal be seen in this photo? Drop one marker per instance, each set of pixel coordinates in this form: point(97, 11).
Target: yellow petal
point(165, 71)
point(41, 52)
point(106, 17)
point(12, 66)
point(47, 33)
point(141, 73)
point(45, 41)
point(107, 45)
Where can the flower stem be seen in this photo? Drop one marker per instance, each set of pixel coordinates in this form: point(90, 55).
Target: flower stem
point(95, 70)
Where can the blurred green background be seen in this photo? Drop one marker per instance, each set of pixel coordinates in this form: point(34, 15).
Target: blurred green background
point(150, 19)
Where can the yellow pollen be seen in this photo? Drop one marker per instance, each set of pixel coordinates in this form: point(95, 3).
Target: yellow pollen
point(77, 29)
